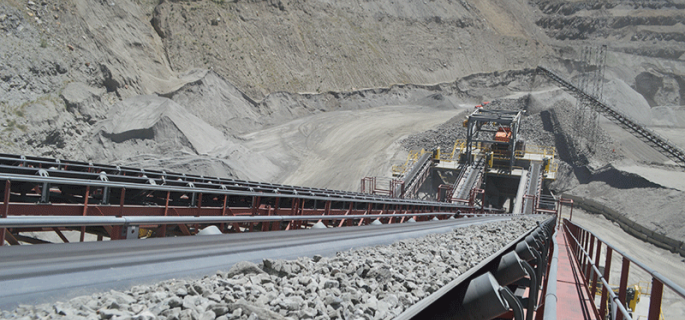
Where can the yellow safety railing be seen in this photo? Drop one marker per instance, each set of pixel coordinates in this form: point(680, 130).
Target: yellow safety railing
point(458, 145)
point(645, 288)
point(412, 157)
point(536, 149)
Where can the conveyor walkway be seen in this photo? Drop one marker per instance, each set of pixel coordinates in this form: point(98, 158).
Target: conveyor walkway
point(574, 301)
point(418, 174)
point(532, 188)
point(468, 180)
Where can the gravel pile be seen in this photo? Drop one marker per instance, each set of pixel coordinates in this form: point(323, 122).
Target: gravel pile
point(584, 146)
point(367, 283)
point(531, 129)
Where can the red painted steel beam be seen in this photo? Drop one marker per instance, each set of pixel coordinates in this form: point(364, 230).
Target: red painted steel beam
point(594, 275)
point(85, 211)
point(61, 235)
point(11, 239)
point(588, 271)
point(655, 299)
point(5, 210)
point(607, 273)
point(625, 269)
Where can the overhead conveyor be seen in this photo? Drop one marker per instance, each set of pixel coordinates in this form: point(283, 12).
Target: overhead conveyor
point(46, 187)
point(470, 178)
point(417, 176)
point(532, 189)
point(657, 142)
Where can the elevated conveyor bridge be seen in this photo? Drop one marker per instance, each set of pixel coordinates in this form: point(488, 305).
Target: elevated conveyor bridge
point(180, 204)
point(528, 278)
point(652, 138)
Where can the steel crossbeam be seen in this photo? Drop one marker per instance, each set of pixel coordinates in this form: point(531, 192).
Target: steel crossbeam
point(53, 189)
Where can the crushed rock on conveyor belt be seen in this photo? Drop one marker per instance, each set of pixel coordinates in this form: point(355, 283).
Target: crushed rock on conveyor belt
point(367, 283)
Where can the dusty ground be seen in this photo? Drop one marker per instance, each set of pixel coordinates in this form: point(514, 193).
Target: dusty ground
point(328, 150)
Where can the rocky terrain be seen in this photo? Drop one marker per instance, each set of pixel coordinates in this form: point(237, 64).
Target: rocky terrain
point(366, 283)
point(324, 93)
point(210, 87)
point(205, 79)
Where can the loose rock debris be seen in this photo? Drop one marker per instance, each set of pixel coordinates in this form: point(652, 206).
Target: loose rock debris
point(367, 283)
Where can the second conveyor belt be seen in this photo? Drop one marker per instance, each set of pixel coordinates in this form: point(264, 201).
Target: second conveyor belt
point(60, 271)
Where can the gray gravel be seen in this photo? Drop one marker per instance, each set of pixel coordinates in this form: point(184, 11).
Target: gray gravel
point(368, 283)
point(532, 129)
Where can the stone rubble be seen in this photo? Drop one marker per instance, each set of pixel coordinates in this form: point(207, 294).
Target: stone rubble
point(367, 283)
point(531, 128)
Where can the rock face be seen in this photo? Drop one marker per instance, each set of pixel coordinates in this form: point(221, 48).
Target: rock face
point(85, 100)
point(366, 283)
point(270, 46)
point(218, 103)
point(161, 120)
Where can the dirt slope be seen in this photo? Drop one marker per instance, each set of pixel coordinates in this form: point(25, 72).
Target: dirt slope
point(268, 46)
point(252, 72)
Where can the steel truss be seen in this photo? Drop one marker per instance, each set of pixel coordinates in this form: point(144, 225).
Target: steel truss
point(179, 204)
point(657, 142)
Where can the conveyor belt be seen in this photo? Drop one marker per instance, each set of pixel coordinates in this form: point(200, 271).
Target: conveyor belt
point(657, 142)
point(40, 273)
point(469, 179)
point(15, 164)
point(418, 174)
point(533, 179)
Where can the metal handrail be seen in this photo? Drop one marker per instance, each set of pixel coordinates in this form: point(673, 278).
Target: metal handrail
point(675, 287)
point(611, 293)
point(334, 197)
point(550, 312)
point(136, 172)
point(78, 221)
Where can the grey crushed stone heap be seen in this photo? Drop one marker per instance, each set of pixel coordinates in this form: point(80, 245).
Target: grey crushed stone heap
point(367, 283)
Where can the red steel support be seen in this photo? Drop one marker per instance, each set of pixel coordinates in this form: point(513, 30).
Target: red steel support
point(183, 227)
point(121, 202)
point(85, 212)
point(586, 260)
point(607, 273)
point(594, 275)
point(276, 225)
point(368, 211)
point(562, 200)
point(655, 299)
point(11, 239)
point(327, 208)
point(199, 210)
point(578, 233)
point(267, 225)
point(583, 235)
point(223, 213)
point(61, 235)
point(162, 228)
point(588, 271)
point(116, 230)
point(349, 210)
point(625, 269)
point(5, 211)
